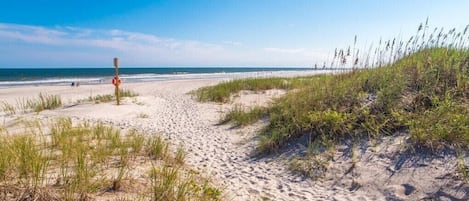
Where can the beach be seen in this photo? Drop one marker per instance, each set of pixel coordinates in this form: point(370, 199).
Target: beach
point(223, 153)
point(234, 100)
point(220, 152)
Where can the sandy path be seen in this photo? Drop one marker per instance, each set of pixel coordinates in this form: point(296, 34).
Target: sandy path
point(217, 151)
point(225, 155)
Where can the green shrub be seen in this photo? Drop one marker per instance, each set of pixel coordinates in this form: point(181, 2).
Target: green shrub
point(446, 123)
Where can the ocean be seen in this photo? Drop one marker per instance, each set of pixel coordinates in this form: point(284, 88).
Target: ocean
point(66, 76)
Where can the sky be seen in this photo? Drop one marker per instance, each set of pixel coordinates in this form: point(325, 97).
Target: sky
point(191, 33)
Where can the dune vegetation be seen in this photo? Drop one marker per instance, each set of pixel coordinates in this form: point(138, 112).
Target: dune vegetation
point(43, 102)
point(50, 102)
point(110, 97)
point(419, 87)
point(86, 161)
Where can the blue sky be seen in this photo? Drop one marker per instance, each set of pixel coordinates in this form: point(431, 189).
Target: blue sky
point(89, 33)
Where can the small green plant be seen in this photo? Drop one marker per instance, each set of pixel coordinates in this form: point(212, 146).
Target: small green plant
point(210, 192)
point(157, 148)
point(162, 182)
point(463, 169)
point(313, 167)
point(135, 141)
point(314, 164)
point(167, 183)
point(180, 155)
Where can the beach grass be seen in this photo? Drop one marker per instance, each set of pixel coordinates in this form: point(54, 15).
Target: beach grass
point(419, 87)
point(46, 102)
point(222, 92)
point(110, 97)
point(426, 100)
point(101, 98)
point(240, 116)
point(7, 108)
point(78, 161)
point(43, 102)
point(127, 93)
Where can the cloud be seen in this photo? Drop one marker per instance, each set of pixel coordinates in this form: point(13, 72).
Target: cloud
point(233, 43)
point(31, 34)
point(79, 37)
point(285, 50)
point(61, 45)
point(128, 44)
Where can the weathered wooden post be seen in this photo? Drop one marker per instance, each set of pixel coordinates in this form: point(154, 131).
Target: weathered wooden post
point(116, 81)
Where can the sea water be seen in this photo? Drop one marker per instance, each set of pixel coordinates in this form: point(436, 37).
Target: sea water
point(66, 76)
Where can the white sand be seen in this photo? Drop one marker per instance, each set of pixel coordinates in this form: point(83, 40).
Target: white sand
point(219, 151)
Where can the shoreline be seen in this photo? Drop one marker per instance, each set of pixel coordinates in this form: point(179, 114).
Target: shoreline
point(10, 94)
point(66, 80)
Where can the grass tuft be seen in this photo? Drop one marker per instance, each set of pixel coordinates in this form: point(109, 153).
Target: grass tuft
point(240, 116)
point(43, 102)
point(110, 97)
point(157, 148)
point(47, 102)
point(8, 108)
point(222, 92)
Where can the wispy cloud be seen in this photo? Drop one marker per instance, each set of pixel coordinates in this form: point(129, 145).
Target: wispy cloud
point(233, 43)
point(82, 46)
point(129, 44)
point(285, 50)
point(114, 39)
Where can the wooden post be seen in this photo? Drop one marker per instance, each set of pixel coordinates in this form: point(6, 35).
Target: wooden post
point(116, 67)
